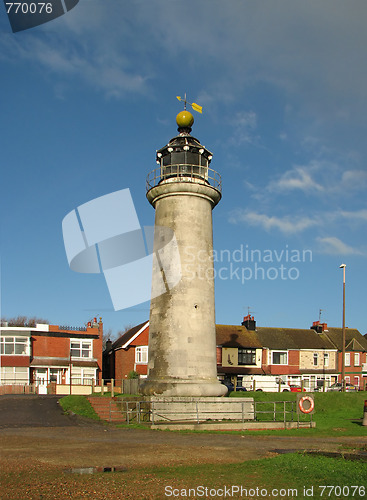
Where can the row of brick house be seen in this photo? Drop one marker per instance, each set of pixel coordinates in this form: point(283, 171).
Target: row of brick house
point(309, 356)
point(46, 354)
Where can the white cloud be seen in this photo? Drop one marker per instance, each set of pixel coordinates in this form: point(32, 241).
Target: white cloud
point(245, 119)
point(76, 56)
point(293, 46)
point(297, 178)
point(244, 124)
point(249, 186)
point(286, 224)
point(356, 216)
point(332, 245)
point(354, 180)
point(321, 176)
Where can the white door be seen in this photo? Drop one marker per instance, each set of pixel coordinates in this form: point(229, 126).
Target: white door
point(41, 380)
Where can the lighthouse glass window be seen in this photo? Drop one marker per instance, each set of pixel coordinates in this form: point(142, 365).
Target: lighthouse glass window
point(81, 349)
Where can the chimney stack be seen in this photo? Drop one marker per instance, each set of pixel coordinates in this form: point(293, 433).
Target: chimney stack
point(249, 322)
point(319, 327)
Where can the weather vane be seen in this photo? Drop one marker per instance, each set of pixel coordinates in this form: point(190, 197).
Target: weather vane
point(194, 106)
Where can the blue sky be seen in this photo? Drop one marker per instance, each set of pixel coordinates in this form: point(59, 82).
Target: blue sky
point(87, 99)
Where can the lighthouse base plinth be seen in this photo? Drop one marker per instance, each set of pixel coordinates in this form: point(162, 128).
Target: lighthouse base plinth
point(182, 388)
point(192, 411)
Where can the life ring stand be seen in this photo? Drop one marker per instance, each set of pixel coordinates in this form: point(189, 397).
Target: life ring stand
point(311, 404)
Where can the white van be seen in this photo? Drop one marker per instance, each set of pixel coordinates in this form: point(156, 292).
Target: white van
point(266, 383)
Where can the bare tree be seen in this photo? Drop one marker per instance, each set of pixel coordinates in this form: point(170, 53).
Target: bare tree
point(24, 321)
point(109, 335)
point(124, 330)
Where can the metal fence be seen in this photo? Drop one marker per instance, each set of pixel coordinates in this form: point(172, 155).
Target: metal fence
point(77, 386)
point(263, 411)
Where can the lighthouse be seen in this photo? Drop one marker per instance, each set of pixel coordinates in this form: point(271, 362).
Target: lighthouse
point(182, 341)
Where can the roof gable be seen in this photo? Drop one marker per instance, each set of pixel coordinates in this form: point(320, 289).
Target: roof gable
point(335, 335)
point(128, 337)
point(354, 345)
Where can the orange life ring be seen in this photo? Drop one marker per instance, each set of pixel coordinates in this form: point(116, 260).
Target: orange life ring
point(310, 401)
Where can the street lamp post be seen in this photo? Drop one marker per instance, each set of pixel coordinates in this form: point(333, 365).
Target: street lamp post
point(343, 266)
point(70, 369)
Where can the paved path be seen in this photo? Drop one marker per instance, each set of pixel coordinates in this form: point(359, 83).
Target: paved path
point(32, 411)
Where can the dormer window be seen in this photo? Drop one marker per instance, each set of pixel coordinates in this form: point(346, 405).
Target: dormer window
point(247, 356)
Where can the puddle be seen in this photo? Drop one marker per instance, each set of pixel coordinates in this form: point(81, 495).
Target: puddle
point(94, 470)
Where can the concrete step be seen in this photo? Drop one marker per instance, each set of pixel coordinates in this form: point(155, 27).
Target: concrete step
point(102, 408)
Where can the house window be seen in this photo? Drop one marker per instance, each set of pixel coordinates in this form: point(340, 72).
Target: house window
point(56, 375)
point(76, 375)
point(356, 359)
point(279, 358)
point(347, 359)
point(83, 376)
point(326, 359)
point(88, 376)
point(14, 375)
point(315, 359)
point(247, 356)
point(141, 354)
point(14, 345)
point(81, 348)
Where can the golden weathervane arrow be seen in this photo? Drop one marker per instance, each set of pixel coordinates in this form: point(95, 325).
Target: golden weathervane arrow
point(194, 106)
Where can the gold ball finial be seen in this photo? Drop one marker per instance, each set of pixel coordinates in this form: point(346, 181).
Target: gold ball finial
point(184, 119)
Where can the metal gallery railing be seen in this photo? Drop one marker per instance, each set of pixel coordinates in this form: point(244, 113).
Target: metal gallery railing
point(184, 173)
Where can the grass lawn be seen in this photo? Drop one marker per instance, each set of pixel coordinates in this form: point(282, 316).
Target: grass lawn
point(336, 413)
point(79, 405)
point(285, 476)
point(288, 474)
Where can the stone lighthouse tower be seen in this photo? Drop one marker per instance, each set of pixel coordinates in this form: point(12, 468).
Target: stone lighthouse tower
point(182, 341)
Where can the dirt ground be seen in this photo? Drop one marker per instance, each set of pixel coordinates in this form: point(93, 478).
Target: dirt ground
point(35, 428)
point(82, 444)
point(38, 444)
